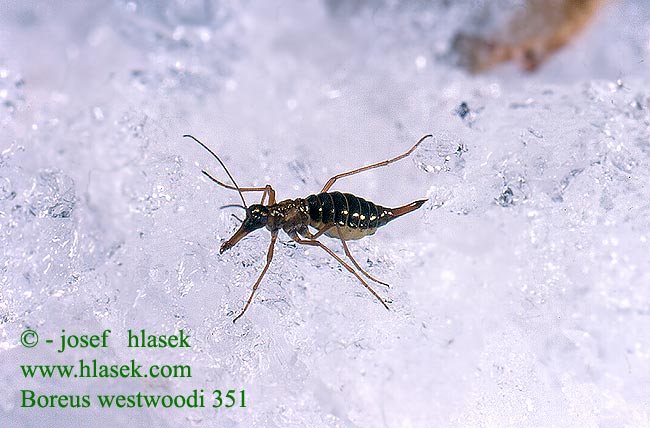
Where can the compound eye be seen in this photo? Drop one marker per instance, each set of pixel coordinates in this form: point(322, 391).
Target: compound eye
point(257, 211)
point(252, 212)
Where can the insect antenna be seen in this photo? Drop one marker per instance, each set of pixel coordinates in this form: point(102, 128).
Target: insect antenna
point(232, 206)
point(222, 164)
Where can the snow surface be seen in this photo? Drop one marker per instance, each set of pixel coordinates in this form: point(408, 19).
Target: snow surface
point(520, 292)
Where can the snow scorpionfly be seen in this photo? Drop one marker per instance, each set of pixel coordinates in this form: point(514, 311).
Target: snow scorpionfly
point(335, 214)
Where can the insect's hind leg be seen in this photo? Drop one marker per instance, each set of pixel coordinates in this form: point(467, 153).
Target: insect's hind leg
point(269, 257)
point(331, 181)
point(347, 253)
point(316, 243)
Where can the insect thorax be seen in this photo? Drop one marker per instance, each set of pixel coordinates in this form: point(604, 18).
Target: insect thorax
point(290, 215)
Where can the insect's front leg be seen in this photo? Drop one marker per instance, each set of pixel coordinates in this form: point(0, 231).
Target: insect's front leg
point(269, 257)
point(268, 190)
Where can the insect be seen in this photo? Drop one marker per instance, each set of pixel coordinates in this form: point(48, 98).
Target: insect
point(335, 214)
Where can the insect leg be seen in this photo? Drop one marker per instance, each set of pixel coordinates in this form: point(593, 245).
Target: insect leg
point(347, 253)
point(331, 181)
point(269, 257)
point(267, 189)
point(315, 243)
point(307, 234)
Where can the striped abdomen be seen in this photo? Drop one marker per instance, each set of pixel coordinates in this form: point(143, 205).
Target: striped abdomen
point(354, 216)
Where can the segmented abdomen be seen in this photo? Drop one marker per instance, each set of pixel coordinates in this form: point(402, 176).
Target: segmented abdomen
point(355, 216)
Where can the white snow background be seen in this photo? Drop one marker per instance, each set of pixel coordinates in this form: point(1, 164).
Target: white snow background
point(520, 291)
